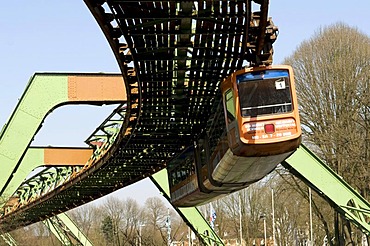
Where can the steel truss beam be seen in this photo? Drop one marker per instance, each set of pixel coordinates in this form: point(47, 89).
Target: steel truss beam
point(61, 164)
point(315, 173)
point(57, 162)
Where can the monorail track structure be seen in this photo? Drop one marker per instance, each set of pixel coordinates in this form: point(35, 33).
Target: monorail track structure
point(173, 55)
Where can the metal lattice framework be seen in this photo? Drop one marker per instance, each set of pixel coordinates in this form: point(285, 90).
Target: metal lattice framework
point(173, 56)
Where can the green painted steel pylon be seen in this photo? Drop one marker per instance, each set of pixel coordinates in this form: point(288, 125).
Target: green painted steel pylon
point(191, 215)
point(315, 173)
point(44, 93)
point(9, 239)
point(66, 231)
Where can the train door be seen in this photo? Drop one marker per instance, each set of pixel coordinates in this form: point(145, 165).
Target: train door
point(231, 119)
point(202, 155)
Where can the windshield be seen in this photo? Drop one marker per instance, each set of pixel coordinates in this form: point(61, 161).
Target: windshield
point(264, 92)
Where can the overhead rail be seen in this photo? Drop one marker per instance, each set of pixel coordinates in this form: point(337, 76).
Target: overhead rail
point(173, 55)
point(44, 93)
point(343, 198)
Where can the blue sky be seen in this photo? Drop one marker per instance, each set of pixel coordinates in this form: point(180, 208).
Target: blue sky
point(56, 36)
point(299, 20)
point(52, 36)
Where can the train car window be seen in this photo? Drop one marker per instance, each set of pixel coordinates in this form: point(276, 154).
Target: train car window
point(181, 167)
point(230, 107)
point(265, 92)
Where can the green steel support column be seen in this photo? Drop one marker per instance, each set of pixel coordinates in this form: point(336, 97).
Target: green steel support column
point(37, 100)
point(44, 93)
point(58, 232)
point(37, 157)
point(9, 239)
point(191, 215)
point(61, 225)
point(65, 229)
point(31, 160)
point(315, 173)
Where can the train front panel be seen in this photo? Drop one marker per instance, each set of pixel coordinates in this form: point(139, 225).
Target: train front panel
point(261, 109)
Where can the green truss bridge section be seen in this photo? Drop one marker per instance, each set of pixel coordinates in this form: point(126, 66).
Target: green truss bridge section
point(44, 93)
point(55, 162)
point(57, 165)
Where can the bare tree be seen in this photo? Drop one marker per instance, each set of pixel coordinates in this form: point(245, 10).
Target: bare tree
point(156, 215)
point(114, 210)
point(292, 211)
point(131, 218)
point(253, 205)
point(179, 229)
point(332, 72)
point(86, 217)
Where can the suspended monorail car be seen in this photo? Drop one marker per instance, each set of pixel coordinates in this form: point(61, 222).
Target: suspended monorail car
point(261, 129)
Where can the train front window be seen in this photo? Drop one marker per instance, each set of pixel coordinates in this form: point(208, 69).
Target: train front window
point(264, 92)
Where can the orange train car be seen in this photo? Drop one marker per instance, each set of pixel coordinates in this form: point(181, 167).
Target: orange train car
point(262, 128)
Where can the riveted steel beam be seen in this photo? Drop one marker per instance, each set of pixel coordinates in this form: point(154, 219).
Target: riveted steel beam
point(314, 172)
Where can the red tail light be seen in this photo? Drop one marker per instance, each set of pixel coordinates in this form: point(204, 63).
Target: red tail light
point(269, 128)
